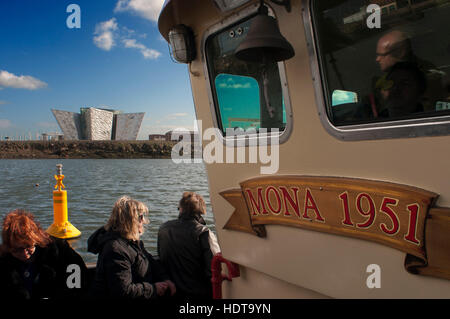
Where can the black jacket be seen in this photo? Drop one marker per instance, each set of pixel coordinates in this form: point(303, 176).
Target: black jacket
point(124, 268)
point(186, 247)
point(45, 276)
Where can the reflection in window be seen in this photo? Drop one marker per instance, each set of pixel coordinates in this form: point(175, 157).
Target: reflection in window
point(243, 112)
point(247, 95)
point(398, 71)
point(343, 97)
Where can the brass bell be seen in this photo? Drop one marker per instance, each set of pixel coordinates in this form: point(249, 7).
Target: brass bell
point(264, 42)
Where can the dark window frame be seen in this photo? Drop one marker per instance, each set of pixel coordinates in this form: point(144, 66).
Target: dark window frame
point(405, 128)
point(246, 139)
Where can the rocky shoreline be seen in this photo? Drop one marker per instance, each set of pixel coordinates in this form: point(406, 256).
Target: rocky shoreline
point(85, 149)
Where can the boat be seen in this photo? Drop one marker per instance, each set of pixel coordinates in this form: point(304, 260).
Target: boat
point(328, 176)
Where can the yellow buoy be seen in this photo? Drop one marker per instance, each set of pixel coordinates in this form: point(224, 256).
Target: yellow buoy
point(61, 227)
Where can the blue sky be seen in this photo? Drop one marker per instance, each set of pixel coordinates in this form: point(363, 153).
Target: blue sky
point(116, 59)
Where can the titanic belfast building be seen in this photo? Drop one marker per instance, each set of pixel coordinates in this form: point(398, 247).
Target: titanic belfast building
point(98, 124)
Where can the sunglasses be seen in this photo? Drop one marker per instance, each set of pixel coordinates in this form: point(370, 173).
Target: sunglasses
point(387, 53)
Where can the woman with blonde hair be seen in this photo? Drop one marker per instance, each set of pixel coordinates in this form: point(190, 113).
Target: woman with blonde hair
point(124, 267)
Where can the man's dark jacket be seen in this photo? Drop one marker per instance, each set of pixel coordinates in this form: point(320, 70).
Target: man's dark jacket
point(46, 276)
point(184, 249)
point(124, 267)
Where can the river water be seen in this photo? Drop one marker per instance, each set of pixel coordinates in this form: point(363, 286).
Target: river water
point(92, 187)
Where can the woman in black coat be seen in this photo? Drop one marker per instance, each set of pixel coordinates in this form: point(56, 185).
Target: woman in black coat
point(124, 268)
point(34, 265)
point(186, 248)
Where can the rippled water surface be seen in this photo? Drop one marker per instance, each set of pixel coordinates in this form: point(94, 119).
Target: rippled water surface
point(93, 185)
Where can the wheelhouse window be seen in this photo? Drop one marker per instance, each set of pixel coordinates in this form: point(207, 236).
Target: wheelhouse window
point(383, 60)
point(248, 96)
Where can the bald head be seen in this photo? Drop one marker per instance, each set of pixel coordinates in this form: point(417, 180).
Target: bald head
point(392, 47)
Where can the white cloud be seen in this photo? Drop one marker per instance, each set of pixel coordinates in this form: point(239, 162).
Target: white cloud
point(341, 97)
point(148, 9)
point(169, 122)
point(146, 52)
point(20, 82)
point(162, 129)
point(105, 34)
point(108, 34)
point(109, 107)
point(179, 118)
point(235, 86)
point(176, 115)
point(5, 124)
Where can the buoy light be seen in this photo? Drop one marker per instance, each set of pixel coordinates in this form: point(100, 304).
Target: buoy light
point(61, 227)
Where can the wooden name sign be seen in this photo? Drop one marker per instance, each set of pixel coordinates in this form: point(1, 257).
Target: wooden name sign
point(390, 214)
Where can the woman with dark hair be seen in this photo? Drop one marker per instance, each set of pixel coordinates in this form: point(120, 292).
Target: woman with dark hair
point(34, 265)
point(186, 247)
point(124, 267)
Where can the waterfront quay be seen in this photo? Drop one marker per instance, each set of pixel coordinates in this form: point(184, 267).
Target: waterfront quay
point(85, 149)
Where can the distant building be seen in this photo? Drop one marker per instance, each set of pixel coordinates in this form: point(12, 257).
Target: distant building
point(98, 124)
point(52, 137)
point(157, 137)
point(194, 135)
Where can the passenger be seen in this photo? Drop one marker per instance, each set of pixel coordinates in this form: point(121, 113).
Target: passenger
point(34, 265)
point(186, 247)
point(404, 86)
point(124, 267)
point(395, 47)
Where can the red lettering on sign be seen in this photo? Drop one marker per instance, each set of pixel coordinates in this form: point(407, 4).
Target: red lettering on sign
point(412, 229)
point(288, 197)
point(285, 200)
point(370, 213)
point(271, 188)
point(386, 209)
point(311, 204)
point(259, 204)
point(344, 198)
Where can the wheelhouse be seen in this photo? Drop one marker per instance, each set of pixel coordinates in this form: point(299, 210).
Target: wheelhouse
point(358, 121)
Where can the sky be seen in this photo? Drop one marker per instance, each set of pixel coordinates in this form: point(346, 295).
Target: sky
point(116, 59)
